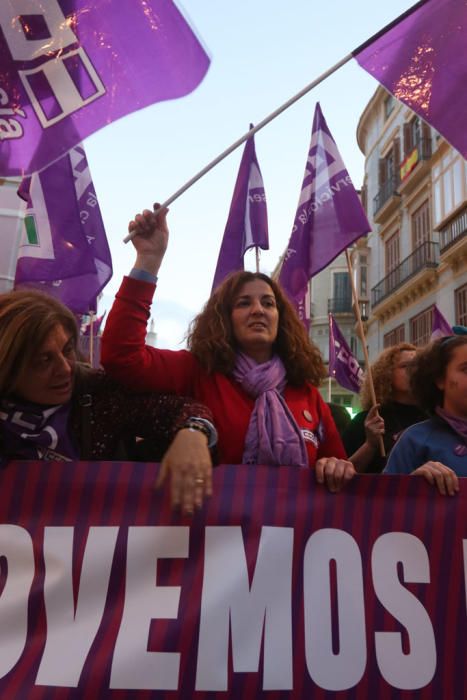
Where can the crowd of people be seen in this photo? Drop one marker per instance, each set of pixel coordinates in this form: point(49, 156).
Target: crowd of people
point(245, 391)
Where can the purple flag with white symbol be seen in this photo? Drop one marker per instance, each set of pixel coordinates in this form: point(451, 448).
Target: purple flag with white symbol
point(304, 309)
point(69, 67)
point(343, 366)
point(439, 326)
point(247, 224)
point(421, 59)
point(329, 216)
point(64, 249)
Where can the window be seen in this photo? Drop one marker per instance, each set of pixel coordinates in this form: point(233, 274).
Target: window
point(388, 105)
point(421, 225)
point(397, 335)
point(342, 294)
point(449, 185)
point(388, 167)
point(392, 252)
point(461, 305)
point(412, 135)
point(421, 327)
point(363, 281)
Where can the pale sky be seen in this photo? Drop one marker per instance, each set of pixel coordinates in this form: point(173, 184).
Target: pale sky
point(262, 52)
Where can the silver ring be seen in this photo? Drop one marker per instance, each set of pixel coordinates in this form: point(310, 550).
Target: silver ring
point(199, 480)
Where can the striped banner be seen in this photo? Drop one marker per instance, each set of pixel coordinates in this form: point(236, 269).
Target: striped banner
point(277, 589)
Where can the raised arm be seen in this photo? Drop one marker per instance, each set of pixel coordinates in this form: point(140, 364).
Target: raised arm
point(151, 239)
point(124, 352)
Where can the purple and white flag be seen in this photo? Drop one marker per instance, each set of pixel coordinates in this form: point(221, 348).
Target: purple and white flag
point(92, 327)
point(70, 67)
point(329, 216)
point(247, 224)
point(439, 326)
point(421, 59)
point(343, 366)
point(64, 249)
point(303, 309)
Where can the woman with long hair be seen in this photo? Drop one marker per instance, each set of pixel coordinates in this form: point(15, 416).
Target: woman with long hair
point(249, 360)
point(396, 409)
point(437, 448)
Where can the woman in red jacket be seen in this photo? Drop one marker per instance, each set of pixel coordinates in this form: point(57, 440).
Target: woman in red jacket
point(249, 360)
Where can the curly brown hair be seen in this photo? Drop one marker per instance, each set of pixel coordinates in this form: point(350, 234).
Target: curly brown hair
point(212, 341)
point(429, 367)
point(381, 372)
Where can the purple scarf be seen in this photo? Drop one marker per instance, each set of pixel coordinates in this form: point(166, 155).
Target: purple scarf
point(459, 425)
point(30, 431)
point(273, 436)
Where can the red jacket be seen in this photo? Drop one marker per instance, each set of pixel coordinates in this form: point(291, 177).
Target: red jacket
point(128, 359)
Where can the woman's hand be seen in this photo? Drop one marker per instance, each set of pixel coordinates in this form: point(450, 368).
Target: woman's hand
point(334, 472)
point(189, 463)
point(437, 474)
point(151, 236)
point(374, 427)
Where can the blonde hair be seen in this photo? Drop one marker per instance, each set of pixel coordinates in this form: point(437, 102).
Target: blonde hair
point(26, 319)
point(381, 372)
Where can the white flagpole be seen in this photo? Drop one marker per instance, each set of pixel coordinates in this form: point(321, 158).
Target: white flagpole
point(257, 258)
point(251, 132)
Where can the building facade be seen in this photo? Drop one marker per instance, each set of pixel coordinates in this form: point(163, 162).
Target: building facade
point(415, 196)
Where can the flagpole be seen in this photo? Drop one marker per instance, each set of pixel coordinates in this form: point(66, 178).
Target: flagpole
point(361, 333)
point(329, 389)
point(91, 337)
point(250, 133)
point(257, 257)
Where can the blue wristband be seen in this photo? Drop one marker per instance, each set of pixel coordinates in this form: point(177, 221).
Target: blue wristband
point(143, 276)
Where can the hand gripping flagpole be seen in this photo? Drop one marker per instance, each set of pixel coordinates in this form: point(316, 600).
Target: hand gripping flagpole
point(361, 333)
point(248, 134)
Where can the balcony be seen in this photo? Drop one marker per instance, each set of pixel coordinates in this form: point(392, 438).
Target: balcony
point(415, 166)
point(453, 232)
point(386, 198)
point(340, 305)
point(425, 256)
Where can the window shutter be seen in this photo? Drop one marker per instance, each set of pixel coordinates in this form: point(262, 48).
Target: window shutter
point(407, 139)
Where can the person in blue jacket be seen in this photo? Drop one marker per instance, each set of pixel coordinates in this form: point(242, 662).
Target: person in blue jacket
point(437, 447)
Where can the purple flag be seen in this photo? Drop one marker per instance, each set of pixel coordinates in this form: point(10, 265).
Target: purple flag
point(95, 326)
point(342, 364)
point(69, 67)
point(329, 216)
point(421, 59)
point(439, 326)
point(303, 309)
point(64, 249)
point(247, 225)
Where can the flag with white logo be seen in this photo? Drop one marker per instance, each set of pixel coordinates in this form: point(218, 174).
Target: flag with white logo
point(304, 309)
point(329, 216)
point(343, 366)
point(247, 224)
point(70, 67)
point(64, 249)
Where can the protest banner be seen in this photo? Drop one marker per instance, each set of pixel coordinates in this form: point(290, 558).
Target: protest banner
point(277, 588)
